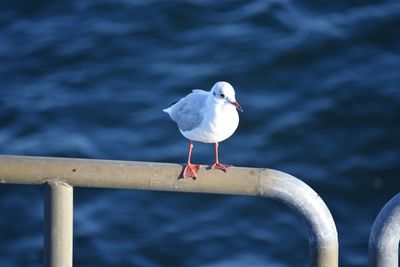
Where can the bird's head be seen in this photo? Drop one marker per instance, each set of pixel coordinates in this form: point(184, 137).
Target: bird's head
point(223, 92)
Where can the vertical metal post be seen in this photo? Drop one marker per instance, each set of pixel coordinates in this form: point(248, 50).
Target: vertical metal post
point(385, 236)
point(58, 221)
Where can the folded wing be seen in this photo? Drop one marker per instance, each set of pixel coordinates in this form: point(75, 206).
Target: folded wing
point(189, 111)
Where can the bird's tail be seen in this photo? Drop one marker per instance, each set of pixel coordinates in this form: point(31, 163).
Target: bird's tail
point(168, 110)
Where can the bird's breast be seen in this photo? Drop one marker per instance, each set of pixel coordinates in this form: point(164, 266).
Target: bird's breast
point(220, 124)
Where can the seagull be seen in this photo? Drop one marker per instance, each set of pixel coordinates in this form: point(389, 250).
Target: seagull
point(207, 117)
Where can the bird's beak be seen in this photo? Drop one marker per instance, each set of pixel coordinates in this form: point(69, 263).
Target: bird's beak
point(237, 106)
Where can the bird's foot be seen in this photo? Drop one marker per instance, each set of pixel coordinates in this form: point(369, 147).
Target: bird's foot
point(190, 170)
point(220, 166)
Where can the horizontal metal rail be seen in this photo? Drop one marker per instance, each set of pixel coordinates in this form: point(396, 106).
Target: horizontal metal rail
point(68, 173)
point(385, 236)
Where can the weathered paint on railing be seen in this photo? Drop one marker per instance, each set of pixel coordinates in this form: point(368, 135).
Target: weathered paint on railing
point(322, 235)
point(385, 236)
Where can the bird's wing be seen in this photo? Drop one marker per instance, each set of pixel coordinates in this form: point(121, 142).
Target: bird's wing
point(189, 111)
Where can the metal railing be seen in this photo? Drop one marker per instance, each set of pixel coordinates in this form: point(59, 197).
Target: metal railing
point(385, 236)
point(60, 175)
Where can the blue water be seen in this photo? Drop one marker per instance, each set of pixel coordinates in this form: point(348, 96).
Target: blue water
point(319, 83)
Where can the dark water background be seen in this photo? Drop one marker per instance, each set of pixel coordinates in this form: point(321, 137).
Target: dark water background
point(319, 82)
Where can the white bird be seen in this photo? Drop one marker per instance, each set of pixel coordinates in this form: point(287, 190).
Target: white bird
point(207, 117)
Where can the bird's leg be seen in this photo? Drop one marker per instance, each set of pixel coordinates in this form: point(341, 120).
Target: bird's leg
point(190, 170)
point(216, 164)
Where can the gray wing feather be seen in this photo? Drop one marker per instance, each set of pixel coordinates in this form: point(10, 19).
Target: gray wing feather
point(188, 112)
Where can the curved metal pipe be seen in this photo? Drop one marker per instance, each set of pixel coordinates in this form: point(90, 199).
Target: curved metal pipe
point(322, 234)
point(385, 236)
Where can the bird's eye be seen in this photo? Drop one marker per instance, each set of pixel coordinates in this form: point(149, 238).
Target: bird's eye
point(222, 95)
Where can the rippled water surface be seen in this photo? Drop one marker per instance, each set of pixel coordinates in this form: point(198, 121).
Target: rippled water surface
point(319, 82)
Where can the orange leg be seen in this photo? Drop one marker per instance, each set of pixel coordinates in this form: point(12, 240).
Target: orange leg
point(216, 164)
point(190, 170)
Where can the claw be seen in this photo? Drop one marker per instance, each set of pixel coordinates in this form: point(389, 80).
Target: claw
point(190, 170)
point(220, 166)
point(216, 164)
